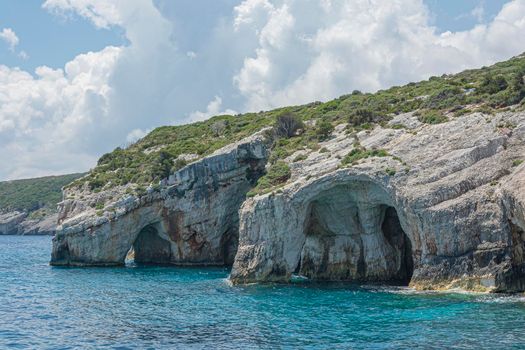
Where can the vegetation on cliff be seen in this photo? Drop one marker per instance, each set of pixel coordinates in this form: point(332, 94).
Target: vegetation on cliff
point(32, 194)
point(435, 100)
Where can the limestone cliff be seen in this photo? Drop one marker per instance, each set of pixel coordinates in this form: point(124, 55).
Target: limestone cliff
point(444, 209)
point(420, 185)
point(19, 223)
point(191, 219)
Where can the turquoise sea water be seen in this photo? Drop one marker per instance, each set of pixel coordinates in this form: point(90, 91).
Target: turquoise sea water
point(43, 307)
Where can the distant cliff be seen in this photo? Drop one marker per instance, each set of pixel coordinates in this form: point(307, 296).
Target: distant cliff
point(29, 206)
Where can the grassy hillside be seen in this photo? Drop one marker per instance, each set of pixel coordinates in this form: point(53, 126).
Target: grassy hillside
point(436, 100)
point(32, 194)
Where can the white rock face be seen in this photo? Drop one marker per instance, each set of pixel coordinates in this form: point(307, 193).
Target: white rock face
point(452, 215)
point(191, 220)
point(444, 209)
point(18, 223)
point(9, 222)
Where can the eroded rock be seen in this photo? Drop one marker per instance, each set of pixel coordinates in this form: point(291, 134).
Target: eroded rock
point(445, 210)
point(20, 223)
point(193, 220)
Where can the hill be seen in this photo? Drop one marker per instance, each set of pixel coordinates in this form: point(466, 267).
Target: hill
point(436, 100)
point(29, 195)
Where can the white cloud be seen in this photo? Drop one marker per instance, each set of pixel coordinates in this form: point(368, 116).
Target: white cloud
point(9, 36)
point(316, 50)
point(213, 108)
point(48, 123)
point(102, 13)
point(23, 55)
point(251, 12)
point(267, 53)
point(136, 134)
point(478, 12)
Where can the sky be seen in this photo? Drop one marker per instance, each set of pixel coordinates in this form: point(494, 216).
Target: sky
point(81, 77)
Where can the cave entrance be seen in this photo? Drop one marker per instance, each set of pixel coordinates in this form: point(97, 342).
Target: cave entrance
point(149, 248)
point(399, 241)
point(348, 239)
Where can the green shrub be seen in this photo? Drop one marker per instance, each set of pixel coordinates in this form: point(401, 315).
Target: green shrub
point(448, 97)
point(324, 129)
point(300, 157)
point(277, 174)
point(431, 117)
point(492, 85)
point(390, 171)
point(497, 86)
point(360, 116)
point(361, 153)
point(140, 190)
point(99, 206)
point(461, 112)
point(287, 125)
point(397, 126)
point(517, 162)
point(179, 164)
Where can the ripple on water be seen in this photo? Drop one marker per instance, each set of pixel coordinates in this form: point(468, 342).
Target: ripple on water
point(167, 307)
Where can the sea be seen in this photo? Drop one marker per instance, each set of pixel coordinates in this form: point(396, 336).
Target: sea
point(138, 307)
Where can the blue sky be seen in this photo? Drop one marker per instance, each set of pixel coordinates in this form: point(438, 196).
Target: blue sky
point(80, 77)
point(457, 15)
point(48, 39)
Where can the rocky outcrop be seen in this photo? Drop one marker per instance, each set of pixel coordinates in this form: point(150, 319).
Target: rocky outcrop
point(445, 209)
point(191, 219)
point(442, 207)
point(20, 223)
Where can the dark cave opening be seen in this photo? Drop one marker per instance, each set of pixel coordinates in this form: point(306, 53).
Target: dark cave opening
point(398, 239)
point(337, 243)
point(149, 248)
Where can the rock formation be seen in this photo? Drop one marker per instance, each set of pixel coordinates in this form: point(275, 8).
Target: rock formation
point(443, 208)
point(19, 223)
point(191, 220)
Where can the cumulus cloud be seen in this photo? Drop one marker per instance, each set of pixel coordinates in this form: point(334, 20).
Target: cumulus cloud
point(102, 13)
point(478, 12)
point(136, 134)
point(48, 121)
point(9, 36)
point(266, 53)
point(213, 108)
point(316, 50)
point(61, 120)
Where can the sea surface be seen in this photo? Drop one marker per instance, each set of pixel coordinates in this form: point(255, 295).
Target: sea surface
point(44, 307)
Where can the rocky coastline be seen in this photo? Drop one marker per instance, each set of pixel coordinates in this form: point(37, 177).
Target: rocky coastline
point(21, 223)
point(440, 207)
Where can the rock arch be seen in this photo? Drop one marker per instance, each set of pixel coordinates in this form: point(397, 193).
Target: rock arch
point(152, 246)
point(353, 232)
point(342, 227)
point(194, 212)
